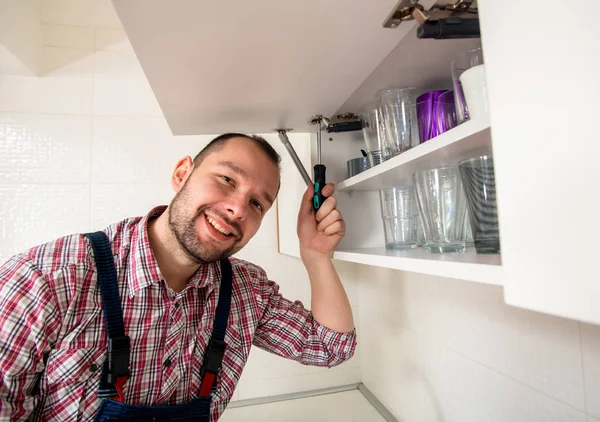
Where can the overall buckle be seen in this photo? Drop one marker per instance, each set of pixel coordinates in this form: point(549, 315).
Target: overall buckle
point(118, 358)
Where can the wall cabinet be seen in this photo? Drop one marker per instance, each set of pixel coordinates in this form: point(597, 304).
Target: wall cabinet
point(269, 64)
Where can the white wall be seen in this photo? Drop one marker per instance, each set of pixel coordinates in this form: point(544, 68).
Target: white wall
point(437, 349)
point(85, 145)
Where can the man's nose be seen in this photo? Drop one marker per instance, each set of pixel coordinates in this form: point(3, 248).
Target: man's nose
point(237, 206)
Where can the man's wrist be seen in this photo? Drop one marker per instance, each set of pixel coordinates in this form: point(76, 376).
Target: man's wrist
point(314, 257)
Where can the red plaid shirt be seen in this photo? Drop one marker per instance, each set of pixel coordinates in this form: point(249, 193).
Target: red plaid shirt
point(53, 336)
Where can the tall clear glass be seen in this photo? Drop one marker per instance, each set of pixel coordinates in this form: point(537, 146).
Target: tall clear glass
point(442, 205)
point(400, 216)
point(399, 109)
point(445, 112)
point(470, 87)
point(479, 183)
point(374, 134)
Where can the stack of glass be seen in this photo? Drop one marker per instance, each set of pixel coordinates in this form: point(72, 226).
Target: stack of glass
point(400, 216)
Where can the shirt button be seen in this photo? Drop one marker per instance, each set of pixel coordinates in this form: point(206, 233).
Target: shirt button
point(167, 363)
point(93, 367)
point(176, 304)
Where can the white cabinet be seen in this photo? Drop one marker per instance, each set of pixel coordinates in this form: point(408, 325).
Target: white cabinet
point(269, 64)
point(543, 67)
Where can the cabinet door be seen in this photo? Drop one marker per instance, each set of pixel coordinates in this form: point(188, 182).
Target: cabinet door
point(543, 72)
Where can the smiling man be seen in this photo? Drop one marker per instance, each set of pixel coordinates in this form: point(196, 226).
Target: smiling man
point(151, 319)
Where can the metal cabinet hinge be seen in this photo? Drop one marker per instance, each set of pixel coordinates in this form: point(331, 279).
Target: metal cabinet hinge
point(443, 9)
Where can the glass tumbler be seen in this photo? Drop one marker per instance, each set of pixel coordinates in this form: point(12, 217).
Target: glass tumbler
point(479, 184)
point(374, 134)
point(442, 205)
point(445, 112)
point(470, 87)
point(427, 106)
point(400, 216)
point(399, 109)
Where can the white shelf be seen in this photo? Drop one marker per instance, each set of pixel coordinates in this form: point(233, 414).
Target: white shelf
point(450, 147)
point(465, 266)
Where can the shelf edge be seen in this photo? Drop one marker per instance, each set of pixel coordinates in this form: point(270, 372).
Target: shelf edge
point(480, 273)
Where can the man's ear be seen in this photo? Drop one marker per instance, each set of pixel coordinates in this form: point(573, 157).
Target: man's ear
point(183, 170)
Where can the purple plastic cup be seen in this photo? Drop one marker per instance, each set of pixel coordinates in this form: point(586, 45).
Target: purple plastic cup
point(426, 114)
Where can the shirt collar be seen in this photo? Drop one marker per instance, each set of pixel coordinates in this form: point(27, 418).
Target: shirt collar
point(142, 268)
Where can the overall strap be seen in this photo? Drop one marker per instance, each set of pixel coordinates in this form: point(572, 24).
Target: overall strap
point(116, 368)
point(213, 356)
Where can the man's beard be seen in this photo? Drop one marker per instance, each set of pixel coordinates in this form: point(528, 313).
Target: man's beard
point(185, 231)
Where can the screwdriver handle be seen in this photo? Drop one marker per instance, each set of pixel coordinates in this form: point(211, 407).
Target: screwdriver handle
point(319, 179)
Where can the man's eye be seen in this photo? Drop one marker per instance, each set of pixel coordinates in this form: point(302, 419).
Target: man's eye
point(227, 179)
point(257, 205)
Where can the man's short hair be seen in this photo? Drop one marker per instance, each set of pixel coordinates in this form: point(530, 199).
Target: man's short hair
point(221, 140)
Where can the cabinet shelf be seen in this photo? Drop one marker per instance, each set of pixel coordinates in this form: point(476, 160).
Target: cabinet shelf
point(465, 266)
point(450, 147)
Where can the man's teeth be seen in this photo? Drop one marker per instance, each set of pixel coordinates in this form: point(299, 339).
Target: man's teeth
point(216, 226)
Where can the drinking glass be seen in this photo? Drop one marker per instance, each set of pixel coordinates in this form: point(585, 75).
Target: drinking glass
point(445, 113)
point(479, 184)
point(470, 87)
point(427, 109)
point(400, 118)
point(400, 216)
point(374, 134)
point(442, 205)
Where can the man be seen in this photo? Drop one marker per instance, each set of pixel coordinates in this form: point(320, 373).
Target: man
point(171, 268)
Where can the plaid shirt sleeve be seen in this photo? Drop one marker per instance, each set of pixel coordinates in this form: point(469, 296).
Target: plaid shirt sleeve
point(28, 322)
point(289, 330)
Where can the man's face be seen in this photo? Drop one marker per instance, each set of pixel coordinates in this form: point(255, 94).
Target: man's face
point(223, 201)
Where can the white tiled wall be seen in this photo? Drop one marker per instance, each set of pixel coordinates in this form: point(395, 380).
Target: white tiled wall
point(436, 349)
point(85, 145)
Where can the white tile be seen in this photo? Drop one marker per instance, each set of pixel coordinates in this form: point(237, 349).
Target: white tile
point(124, 97)
point(254, 387)
point(112, 39)
point(112, 203)
point(391, 366)
point(67, 62)
point(68, 36)
point(117, 64)
point(346, 406)
point(13, 65)
point(34, 214)
point(41, 148)
point(20, 38)
point(80, 13)
point(56, 95)
point(137, 150)
point(538, 350)
point(590, 343)
point(65, 87)
point(458, 389)
point(590, 419)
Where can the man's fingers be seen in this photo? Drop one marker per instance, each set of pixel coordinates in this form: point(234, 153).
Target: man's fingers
point(339, 227)
point(328, 189)
point(329, 219)
point(328, 205)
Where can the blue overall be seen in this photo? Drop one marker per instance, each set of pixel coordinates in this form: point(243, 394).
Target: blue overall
point(115, 370)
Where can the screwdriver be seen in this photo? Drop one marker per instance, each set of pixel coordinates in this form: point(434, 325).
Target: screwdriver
point(319, 173)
